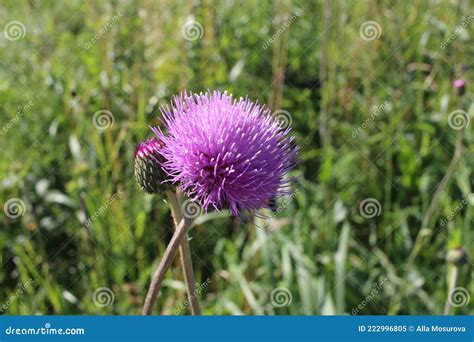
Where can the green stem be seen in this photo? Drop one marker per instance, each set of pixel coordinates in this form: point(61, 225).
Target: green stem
point(185, 256)
point(165, 264)
point(452, 285)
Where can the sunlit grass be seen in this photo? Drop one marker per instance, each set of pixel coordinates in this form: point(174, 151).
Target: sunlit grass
point(318, 246)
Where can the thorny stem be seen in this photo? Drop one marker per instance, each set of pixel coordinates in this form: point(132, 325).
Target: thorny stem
point(165, 264)
point(185, 256)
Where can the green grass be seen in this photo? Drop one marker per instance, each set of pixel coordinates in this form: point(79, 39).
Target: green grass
point(319, 247)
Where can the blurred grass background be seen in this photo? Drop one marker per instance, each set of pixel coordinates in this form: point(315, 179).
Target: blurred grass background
point(307, 58)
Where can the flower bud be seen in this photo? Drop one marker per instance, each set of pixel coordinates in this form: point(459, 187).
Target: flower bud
point(460, 86)
point(148, 171)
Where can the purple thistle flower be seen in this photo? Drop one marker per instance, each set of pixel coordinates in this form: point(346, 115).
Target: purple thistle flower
point(460, 86)
point(226, 152)
point(458, 83)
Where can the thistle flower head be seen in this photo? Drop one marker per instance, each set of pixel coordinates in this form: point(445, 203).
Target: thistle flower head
point(148, 171)
point(226, 152)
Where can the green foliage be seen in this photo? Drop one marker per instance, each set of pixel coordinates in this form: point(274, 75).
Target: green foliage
point(370, 116)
